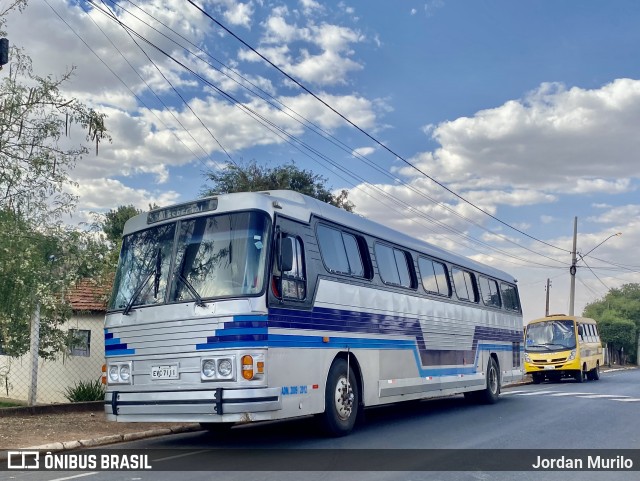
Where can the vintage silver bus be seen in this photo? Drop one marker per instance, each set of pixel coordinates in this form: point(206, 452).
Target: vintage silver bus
point(263, 306)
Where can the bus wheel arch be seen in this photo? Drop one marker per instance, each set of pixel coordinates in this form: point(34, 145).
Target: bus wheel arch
point(342, 399)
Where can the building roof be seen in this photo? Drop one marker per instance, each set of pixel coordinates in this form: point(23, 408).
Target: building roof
point(88, 295)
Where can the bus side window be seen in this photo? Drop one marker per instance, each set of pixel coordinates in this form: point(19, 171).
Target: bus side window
point(489, 292)
point(342, 252)
point(509, 297)
point(595, 332)
point(464, 284)
point(434, 277)
point(393, 266)
point(592, 334)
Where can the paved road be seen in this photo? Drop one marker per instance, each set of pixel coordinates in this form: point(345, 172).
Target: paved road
point(592, 415)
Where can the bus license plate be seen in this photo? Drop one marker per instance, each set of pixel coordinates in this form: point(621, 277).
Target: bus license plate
point(550, 368)
point(164, 372)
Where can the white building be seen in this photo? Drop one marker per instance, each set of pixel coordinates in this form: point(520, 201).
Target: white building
point(82, 362)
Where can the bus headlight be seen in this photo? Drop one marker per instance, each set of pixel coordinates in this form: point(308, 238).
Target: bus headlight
point(526, 357)
point(219, 368)
point(209, 368)
point(119, 373)
point(572, 356)
point(125, 372)
point(225, 368)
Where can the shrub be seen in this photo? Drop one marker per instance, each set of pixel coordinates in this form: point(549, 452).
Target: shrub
point(85, 391)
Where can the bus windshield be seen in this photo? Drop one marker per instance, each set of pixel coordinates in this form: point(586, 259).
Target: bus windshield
point(555, 335)
point(215, 256)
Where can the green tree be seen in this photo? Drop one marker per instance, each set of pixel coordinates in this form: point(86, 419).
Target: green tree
point(253, 178)
point(114, 221)
point(40, 258)
point(618, 316)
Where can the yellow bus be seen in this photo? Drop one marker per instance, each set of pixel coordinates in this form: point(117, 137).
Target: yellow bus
point(560, 346)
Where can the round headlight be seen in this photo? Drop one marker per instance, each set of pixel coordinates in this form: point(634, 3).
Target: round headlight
point(209, 368)
point(125, 372)
point(225, 367)
point(113, 373)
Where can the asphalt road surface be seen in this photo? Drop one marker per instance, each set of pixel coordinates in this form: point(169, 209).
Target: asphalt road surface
point(528, 421)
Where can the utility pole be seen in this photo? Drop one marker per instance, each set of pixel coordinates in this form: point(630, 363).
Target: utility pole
point(546, 310)
point(572, 269)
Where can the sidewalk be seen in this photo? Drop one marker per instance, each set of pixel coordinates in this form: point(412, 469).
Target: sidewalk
point(58, 427)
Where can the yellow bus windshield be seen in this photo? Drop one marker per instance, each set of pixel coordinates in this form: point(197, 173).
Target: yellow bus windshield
point(552, 335)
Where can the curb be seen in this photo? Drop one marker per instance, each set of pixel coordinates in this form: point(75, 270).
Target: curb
point(104, 440)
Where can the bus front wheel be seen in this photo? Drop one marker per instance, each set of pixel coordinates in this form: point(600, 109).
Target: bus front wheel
point(341, 400)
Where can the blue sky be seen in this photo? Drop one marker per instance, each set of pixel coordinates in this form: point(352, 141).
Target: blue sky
point(529, 110)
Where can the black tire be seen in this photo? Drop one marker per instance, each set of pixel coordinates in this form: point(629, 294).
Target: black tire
point(491, 392)
point(594, 374)
point(341, 403)
point(579, 376)
point(537, 378)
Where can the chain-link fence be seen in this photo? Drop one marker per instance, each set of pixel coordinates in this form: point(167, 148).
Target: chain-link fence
point(31, 380)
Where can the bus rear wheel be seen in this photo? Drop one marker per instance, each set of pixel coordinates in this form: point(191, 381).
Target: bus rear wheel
point(491, 392)
point(341, 400)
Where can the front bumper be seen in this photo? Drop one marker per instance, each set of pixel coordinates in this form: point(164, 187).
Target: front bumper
point(222, 404)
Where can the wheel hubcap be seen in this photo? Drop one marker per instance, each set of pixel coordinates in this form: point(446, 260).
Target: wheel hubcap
point(343, 398)
point(493, 380)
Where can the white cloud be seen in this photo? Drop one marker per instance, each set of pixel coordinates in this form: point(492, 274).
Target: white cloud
point(364, 151)
point(310, 7)
point(592, 186)
point(103, 194)
point(618, 215)
point(544, 141)
point(313, 53)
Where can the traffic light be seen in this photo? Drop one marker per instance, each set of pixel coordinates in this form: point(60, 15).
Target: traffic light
point(4, 51)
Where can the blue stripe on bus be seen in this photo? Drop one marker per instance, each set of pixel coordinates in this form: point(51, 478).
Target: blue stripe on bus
point(119, 352)
point(113, 346)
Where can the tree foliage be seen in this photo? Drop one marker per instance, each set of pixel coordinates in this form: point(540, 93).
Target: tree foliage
point(253, 178)
point(40, 258)
point(114, 221)
point(618, 316)
point(37, 267)
point(34, 165)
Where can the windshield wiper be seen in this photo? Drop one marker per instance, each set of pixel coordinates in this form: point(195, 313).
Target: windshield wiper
point(182, 278)
point(191, 289)
point(156, 283)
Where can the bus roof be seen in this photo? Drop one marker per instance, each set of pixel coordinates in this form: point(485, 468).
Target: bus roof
point(302, 207)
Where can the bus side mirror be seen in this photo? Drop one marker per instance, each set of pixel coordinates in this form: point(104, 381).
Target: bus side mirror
point(285, 254)
point(580, 330)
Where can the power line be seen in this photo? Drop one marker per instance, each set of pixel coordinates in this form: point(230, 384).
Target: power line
point(111, 15)
point(121, 80)
point(319, 131)
point(357, 127)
